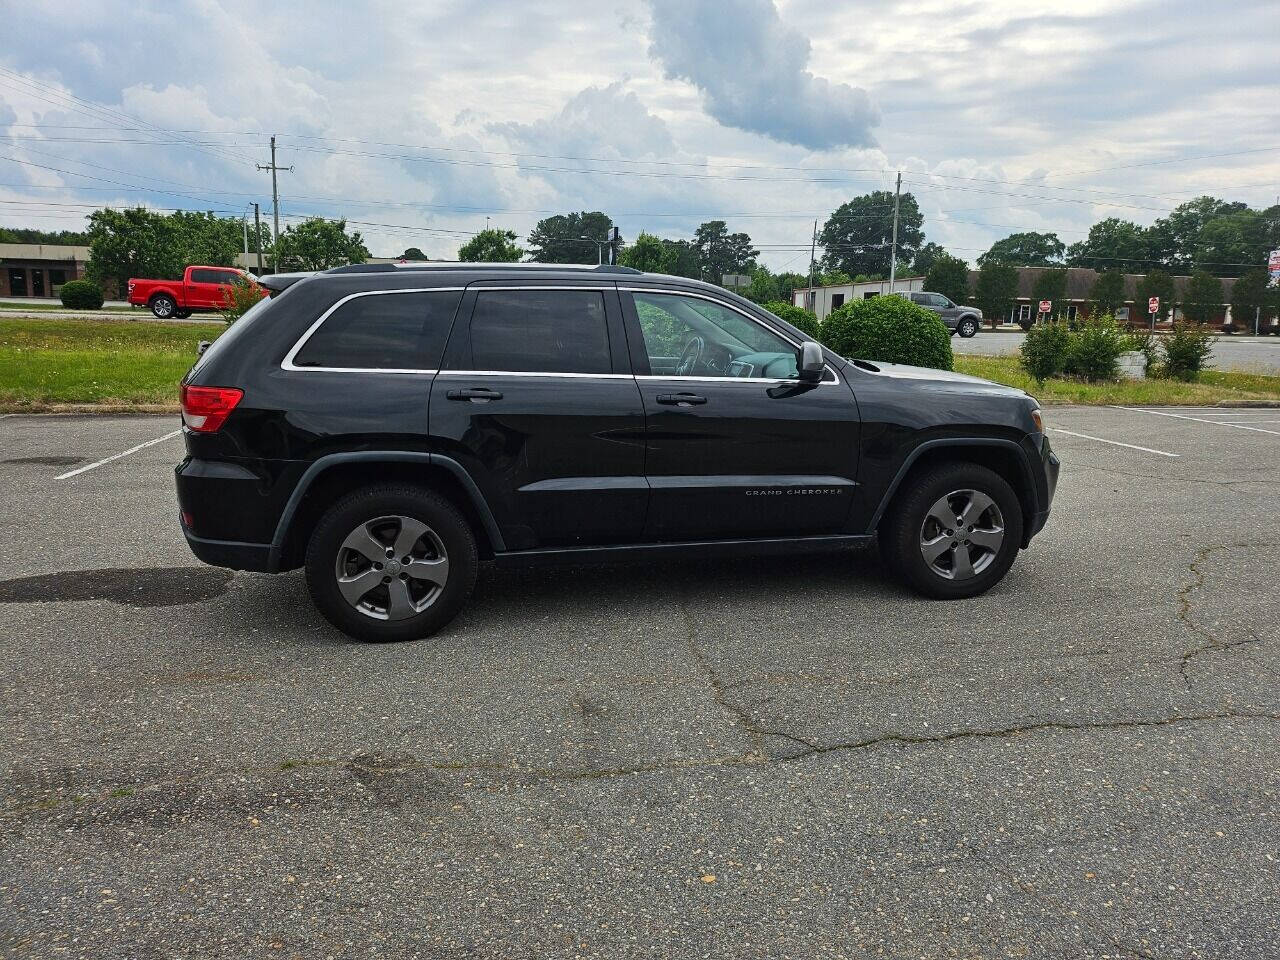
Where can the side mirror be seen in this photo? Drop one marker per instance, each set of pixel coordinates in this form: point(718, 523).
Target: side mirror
point(810, 363)
point(202, 346)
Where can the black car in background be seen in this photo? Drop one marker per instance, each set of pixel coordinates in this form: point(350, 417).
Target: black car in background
point(387, 427)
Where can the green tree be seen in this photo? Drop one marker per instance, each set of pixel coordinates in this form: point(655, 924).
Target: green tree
point(948, 276)
point(647, 253)
point(680, 259)
point(1157, 283)
point(558, 239)
point(995, 290)
point(857, 237)
point(1175, 240)
point(1250, 300)
point(720, 252)
point(203, 239)
point(1204, 297)
point(1112, 244)
point(131, 243)
point(788, 283)
point(318, 244)
point(1107, 293)
point(76, 238)
point(764, 286)
point(491, 245)
point(1028, 249)
point(1051, 285)
point(413, 254)
point(926, 257)
point(832, 278)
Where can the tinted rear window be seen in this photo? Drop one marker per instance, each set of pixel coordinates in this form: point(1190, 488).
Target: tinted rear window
point(385, 331)
point(537, 331)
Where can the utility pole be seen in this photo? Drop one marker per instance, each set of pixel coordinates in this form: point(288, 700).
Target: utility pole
point(893, 249)
point(813, 254)
point(275, 192)
point(257, 226)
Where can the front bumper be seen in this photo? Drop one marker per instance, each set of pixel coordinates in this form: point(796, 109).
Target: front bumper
point(1049, 466)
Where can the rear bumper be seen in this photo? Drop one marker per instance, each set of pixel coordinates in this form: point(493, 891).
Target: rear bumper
point(231, 553)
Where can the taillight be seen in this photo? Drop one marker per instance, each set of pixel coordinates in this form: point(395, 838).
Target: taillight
point(205, 409)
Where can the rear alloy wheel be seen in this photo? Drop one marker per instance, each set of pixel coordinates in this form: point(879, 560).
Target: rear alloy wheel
point(955, 532)
point(391, 563)
point(163, 306)
point(967, 327)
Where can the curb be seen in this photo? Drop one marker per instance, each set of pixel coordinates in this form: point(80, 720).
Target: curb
point(80, 409)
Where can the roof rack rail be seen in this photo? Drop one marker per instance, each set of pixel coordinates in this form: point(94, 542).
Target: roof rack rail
point(450, 265)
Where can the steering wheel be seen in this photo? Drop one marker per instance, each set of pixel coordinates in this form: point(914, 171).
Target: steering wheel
point(690, 356)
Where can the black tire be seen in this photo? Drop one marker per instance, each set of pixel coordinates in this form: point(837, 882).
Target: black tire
point(182, 314)
point(163, 306)
point(904, 530)
point(367, 507)
point(967, 327)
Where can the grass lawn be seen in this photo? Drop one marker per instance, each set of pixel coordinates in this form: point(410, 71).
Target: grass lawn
point(40, 307)
point(109, 362)
point(1212, 387)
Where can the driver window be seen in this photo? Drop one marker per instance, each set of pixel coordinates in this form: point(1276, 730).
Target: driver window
point(691, 337)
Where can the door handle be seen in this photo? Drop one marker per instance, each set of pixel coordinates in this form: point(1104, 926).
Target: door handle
point(474, 393)
point(680, 399)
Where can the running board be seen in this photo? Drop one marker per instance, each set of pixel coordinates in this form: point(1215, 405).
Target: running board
point(686, 550)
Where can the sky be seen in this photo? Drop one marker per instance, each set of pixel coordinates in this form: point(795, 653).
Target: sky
point(422, 123)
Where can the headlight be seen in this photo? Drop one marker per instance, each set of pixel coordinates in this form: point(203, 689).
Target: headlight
point(1038, 419)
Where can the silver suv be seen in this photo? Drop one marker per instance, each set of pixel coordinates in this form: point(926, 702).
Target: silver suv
point(962, 320)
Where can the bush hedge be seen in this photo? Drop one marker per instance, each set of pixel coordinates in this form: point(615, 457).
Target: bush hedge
point(803, 320)
point(890, 329)
point(1186, 351)
point(1045, 349)
point(1093, 353)
point(81, 295)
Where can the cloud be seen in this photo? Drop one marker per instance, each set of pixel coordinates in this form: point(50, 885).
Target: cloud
point(751, 69)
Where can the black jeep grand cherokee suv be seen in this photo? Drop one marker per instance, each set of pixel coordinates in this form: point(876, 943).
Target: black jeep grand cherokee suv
point(387, 427)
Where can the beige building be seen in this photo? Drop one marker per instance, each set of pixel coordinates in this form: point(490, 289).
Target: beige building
point(39, 269)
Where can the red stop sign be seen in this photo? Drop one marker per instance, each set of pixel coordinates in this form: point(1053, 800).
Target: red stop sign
point(1044, 306)
point(1153, 305)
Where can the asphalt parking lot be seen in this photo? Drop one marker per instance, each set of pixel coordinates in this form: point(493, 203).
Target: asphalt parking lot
point(1240, 353)
point(746, 759)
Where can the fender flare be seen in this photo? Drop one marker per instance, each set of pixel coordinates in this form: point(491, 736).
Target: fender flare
point(1011, 445)
point(322, 464)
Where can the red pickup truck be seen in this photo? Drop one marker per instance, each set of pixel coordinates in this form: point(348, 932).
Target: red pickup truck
point(201, 288)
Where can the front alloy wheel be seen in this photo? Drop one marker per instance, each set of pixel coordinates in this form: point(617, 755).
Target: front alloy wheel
point(962, 534)
point(391, 568)
point(968, 327)
point(953, 530)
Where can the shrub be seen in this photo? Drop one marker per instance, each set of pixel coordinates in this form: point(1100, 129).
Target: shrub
point(1095, 350)
point(1045, 349)
point(1186, 351)
point(81, 295)
point(803, 320)
point(241, 298)
point(891, 329)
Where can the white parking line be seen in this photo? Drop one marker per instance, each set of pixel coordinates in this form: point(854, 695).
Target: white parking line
point(115, 456)
point(1179, 416)
point(1116, 443)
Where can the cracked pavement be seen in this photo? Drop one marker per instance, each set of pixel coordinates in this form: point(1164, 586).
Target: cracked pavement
point(751, 759)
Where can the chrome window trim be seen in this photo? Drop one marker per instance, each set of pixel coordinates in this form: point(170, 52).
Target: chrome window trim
point(835, 377)
point(534, 373)
point(288, 364)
